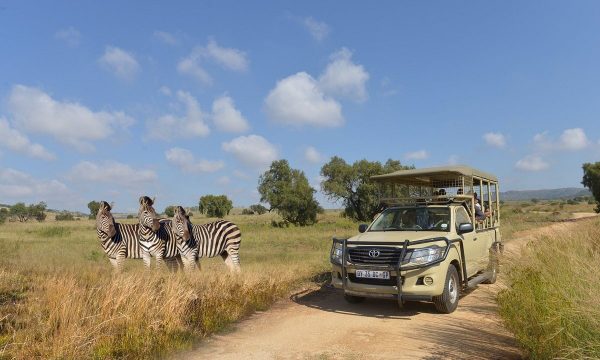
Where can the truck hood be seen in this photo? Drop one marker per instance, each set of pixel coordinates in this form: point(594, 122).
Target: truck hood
point(397, 236)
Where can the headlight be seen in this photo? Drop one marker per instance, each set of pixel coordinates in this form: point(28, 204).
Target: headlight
point(424, 256)
point(336, 253)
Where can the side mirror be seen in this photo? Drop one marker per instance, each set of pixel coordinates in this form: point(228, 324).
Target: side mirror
point(465, 228)
point(362, 228)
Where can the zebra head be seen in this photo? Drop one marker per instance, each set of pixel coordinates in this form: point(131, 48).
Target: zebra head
point(147, 214)
point(181, 224)
point(105, 223)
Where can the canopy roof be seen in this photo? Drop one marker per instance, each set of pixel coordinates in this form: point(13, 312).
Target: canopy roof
point(428, 174)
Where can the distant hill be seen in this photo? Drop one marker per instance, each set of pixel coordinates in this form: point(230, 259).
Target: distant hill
point(547, 194)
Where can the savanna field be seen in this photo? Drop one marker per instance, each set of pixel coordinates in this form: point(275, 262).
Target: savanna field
point(59, 297)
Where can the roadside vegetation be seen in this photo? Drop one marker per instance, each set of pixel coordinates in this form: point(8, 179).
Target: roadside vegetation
point(60, 299)
point(551, 301)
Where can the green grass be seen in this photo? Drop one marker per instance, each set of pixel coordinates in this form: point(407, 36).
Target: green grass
point(551, 304)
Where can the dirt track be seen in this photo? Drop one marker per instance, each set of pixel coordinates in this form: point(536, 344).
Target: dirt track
point(319, 324)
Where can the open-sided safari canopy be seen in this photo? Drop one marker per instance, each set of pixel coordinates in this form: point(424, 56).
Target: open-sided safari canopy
point(444, 184)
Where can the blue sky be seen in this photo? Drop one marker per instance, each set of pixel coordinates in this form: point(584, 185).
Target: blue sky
point(111, 100)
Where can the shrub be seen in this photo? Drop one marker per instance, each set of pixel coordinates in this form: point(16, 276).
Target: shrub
point(65, 216)
point(247, 212)
point(215, 206)
point(258, 209)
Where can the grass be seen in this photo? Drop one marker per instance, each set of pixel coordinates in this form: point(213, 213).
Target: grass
point(551, 304)
point(60, 299)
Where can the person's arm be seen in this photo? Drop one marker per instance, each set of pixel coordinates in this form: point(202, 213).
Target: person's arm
point(479, 215)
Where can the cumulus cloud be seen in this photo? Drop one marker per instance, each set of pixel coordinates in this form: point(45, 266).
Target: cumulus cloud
point(298, 100)
point(166, 38)
point(252, 150)
point(496, 140)
point(111, 172)
point(12, 139)
point(532, 163)
point(70, 36)
point(227, 117)
point(318, 29)
point(343, 78)
point(20, 186)
point(312, 155)
point(170, 127)
point(228, 58)
point(417, 155)
point(570, 140)
point(184, 160)
point(68, 122)
point(120, 62)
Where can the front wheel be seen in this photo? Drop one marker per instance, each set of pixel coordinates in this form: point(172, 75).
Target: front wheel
point(353, 299)
point(448, 301)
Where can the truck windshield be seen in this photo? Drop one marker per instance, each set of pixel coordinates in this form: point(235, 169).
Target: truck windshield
point(413, 219)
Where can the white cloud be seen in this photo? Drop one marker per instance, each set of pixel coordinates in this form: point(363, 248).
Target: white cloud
point(227, 117)
point(318, 29)
point(190, 66)
point(120, 62)
point(496, 140)
point(531, 163)
point(570, 140)
point(70, 123)
point(312, 155)
point(343, 78)
point(111, 172)
point(417, 155)
point(298, 100)
point(224, 180)
point(12, 139)
point(166, 37)
point(229, 58)
point(573, 139)
point(70, 36)
point(20, 186)
point(252, 150)
point(170, 127)
point(165, 91)
point(184, 159)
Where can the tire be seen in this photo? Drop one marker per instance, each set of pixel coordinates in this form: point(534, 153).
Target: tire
point(448, 301)
point(493, 268)
point(353, 299)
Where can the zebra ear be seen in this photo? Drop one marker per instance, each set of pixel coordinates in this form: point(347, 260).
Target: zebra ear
point(142, 200)
point(153, 199)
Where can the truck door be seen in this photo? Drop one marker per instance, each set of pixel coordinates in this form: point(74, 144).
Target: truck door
point(472, 248)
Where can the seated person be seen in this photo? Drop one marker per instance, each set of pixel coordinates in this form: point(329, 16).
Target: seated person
point(479, 214)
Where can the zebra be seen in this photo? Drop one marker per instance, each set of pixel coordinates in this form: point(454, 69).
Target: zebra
point(155, 236)
point(220, 237)
point(119, 241)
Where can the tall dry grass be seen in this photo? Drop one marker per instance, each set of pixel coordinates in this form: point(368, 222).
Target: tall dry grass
point(552, 303)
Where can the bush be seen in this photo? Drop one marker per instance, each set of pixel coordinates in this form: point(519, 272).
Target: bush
point(3, 215)
point(170, 211)
point(23, 213)
point(258, 209)
point(65, 216)
point(94, 206)
point(130, 216)
point(247, 212)
point(215, 206)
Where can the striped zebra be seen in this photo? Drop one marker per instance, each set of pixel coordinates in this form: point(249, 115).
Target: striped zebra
point(155, 236)
point(119, 241)
point(220, 237)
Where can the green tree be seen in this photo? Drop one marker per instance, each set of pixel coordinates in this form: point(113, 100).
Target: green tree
point(3, 215)
point(38, 211)
point(591, 180)
point(170, 211)
point(94, 206)
point(24, 213)
point(258, 209)
point(19, 211)
point(287, 191)
point(352, 185)
point(215, 205)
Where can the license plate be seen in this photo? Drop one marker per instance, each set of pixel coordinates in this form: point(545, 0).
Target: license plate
point(373, 274)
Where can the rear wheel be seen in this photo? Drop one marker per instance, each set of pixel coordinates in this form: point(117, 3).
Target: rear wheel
point(353, 299)
point(448, 301)
point(492, 269)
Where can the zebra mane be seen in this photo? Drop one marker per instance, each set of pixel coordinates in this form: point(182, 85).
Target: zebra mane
point(146, 204)
point(105, 206)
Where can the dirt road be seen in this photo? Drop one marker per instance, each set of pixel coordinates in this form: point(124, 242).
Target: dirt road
point(319, 324)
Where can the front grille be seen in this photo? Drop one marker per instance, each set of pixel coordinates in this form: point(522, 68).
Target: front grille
point(388, 256)
point(388, 282)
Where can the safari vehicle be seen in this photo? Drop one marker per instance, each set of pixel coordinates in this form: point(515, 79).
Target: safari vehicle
point(427, 244)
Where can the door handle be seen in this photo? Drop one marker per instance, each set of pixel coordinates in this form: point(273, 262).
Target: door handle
point(474, 239)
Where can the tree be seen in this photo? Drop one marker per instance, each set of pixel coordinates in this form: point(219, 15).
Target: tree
point(258, 209)
point(3, 215)
point(287, 191)
point(19, 211)
point(38, 211)
point(215, 206)
point(94, 206)
point(24, 213)
point(170, 211)
point(591, 180)
point(353, 186)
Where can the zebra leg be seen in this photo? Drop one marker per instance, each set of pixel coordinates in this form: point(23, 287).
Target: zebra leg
point(146, 257)
point(115, 264)
point(235, 260)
